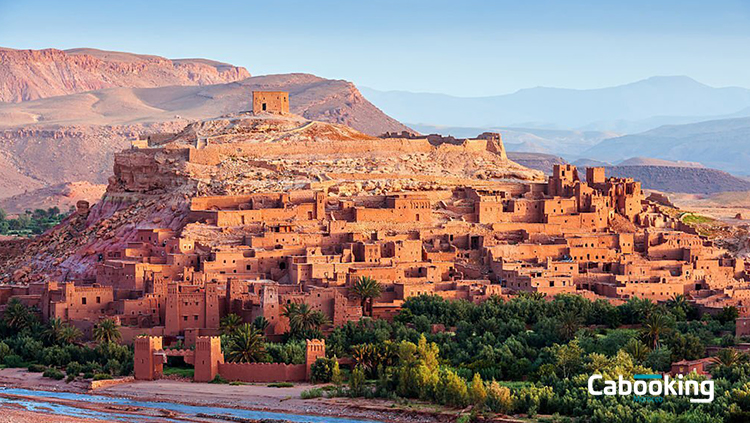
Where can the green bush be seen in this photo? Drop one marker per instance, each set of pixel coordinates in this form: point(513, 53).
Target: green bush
point(312, 393)
point(219, 379)
point(237, 383)
point(88, 375)
point(70, 378)
point(37, 368)
point(53, 374)
point(281, 385)
point(13, 360)
point(102, 376)
point(4, 351)
point(187, 373)
point(321, 370)
point(74, 368)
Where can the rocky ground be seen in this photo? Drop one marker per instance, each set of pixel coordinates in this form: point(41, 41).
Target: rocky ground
point(252, 397)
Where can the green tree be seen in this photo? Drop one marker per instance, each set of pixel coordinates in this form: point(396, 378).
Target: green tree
point(637, 350)
point(304, 322)
point(336, 377)
point(246, 345)
point(451, 389)
point(367, 289)
point(17, 316)
point(357, 382)
point(729, 357)
point(261, 323)
point(230, 323)
point(654, 328)
point(106, 331)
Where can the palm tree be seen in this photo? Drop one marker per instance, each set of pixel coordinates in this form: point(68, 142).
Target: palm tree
point(729, 357)
point(70, 334)
point(107, 331)
point(246, 345)
point(655, 326)
point(230, 323)
point(367, 289)
point(569, 324)
point(54, 329)
point(17, 316)
point(59, 332)
point(363, 355)
point(678, 301)
point(261, 323)
point(304, 321)
point(636, 349)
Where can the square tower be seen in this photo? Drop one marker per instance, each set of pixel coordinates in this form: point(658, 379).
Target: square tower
point(271, 102)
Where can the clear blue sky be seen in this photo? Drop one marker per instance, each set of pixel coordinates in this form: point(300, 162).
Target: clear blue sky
point(456, 47)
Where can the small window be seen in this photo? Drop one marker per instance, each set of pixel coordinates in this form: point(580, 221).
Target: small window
point(83, 300)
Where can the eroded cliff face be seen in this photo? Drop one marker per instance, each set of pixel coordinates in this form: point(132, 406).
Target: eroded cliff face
point(32, 74)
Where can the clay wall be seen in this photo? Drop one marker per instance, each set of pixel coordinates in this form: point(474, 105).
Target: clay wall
point(263, 372)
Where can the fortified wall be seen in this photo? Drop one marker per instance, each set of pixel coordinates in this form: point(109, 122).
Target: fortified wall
point(208, 360)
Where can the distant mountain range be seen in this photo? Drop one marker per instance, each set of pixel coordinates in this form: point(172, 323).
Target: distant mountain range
point(723, 144)
point(629, 108)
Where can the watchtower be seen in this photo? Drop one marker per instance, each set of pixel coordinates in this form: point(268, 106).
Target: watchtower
point(595, 175)
point(271, 102)
point(147, 366)
point(314, 349)
point(208, 356)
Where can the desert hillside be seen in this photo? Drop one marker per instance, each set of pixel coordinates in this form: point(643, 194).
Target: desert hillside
point(73, 137)
point(32, 74)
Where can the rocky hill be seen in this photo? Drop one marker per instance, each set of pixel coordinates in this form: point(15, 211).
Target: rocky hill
point(32, 74)
point(73, 137)
point(238, 154)
point(62, 196)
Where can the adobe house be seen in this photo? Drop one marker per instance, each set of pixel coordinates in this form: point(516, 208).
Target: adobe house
point(271, 102)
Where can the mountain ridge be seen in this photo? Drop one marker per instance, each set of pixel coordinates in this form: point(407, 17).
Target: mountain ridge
point(632, 107)
point(33, 74)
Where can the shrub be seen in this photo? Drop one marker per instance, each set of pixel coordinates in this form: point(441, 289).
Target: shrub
point(357, 382)
point(70, 378)
point(37, 368)
point(102, 376)
point(219, 379)
point(499, 398)
point(74, 368)
point(312, 393)
point(236, 383)
point(281, 385)
point(322, 370)
point(53, 374)
point(452, 389)
point(88, 375)
point(4, 350)
point(179, 371)
point(13, 360)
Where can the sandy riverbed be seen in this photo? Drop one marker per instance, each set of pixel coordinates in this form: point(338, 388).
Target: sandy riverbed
point(252, 397)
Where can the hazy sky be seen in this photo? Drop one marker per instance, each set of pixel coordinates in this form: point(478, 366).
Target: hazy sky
point(456, 47)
